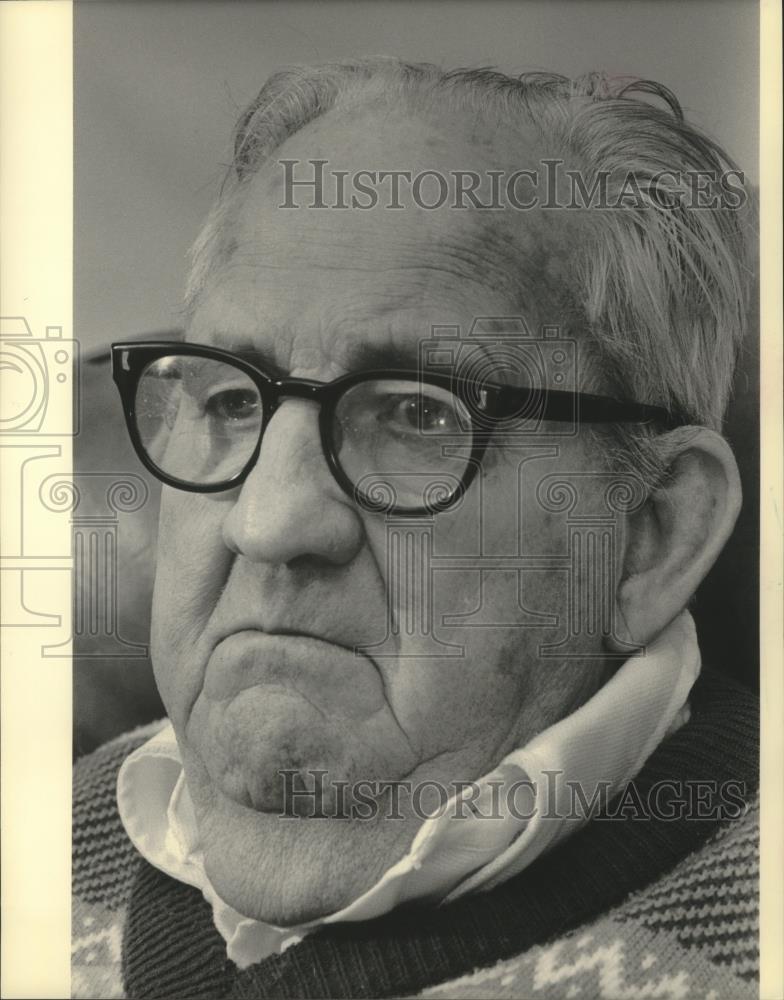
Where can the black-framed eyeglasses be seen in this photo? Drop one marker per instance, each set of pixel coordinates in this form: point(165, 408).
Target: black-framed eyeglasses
point(397, 441)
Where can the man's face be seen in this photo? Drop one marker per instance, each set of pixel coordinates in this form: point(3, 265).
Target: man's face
point(263, 592)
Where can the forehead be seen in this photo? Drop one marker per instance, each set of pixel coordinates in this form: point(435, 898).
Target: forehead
point(305, 285)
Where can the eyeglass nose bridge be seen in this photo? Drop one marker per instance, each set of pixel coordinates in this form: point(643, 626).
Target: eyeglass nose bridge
point(295, 388)
point(324, 395)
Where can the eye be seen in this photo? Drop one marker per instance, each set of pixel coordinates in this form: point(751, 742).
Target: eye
point(233, 405)
point(425, 414)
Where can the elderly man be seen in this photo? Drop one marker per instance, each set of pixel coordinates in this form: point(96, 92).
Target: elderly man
point(442, 472)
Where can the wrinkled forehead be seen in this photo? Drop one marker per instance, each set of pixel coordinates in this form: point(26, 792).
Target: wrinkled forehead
point(316, 279)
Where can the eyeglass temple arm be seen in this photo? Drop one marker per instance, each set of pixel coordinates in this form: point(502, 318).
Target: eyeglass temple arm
point(584, 407)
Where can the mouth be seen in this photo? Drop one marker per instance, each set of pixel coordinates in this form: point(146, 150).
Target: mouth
point(284, 702)
point(329, 674)
point(291, 633)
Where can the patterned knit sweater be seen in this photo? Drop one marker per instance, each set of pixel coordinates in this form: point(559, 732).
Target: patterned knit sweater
point(633, 905)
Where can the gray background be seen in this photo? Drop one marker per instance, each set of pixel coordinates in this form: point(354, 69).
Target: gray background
point(158, 87)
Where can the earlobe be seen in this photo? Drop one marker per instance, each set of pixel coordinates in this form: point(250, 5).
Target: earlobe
point(674, 540)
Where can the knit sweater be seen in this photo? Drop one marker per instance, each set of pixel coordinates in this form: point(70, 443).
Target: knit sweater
point(633, 904)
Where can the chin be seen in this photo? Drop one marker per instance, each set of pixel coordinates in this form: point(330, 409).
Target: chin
point(289, 871)
point(270, 751)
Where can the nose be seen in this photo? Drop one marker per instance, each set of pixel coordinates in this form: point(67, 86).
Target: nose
point(290, 507)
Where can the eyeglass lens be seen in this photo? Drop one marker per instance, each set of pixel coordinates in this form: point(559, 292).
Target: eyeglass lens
point(400, 442)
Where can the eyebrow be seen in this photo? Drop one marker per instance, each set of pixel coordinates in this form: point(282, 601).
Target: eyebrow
point(354, 357)
point(367, 356)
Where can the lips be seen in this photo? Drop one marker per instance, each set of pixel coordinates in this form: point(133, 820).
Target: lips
point(334, 679)
point(274, 704)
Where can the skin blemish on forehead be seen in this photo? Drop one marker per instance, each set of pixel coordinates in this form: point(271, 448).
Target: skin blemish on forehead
point(322, 292)
point(518, 260)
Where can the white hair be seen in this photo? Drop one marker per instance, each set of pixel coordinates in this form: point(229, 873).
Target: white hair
point(662, 290)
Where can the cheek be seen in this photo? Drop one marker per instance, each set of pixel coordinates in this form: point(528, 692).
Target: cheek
point(469, 630)
point(192, 565)
point(468, 637)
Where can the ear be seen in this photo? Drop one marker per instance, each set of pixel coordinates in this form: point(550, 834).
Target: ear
point(673, 541)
